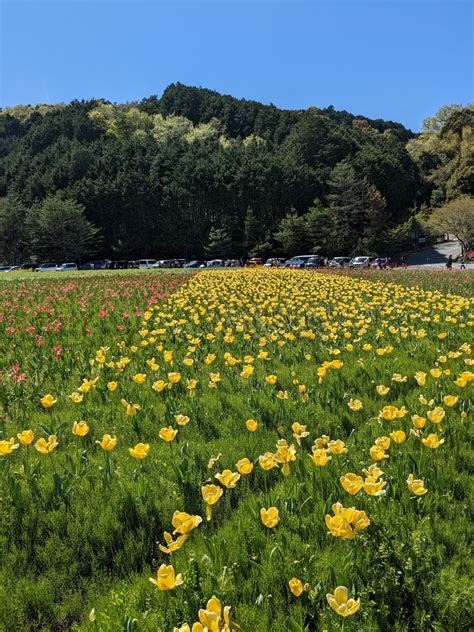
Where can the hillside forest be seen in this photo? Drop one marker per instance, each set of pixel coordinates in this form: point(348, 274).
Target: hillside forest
point(196, 174)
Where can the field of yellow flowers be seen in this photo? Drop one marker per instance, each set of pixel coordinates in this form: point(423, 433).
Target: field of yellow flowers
point(258, 450)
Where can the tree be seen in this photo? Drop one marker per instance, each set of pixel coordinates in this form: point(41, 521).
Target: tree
point(14, 235)
point(321, 229)
point(455, 218)
point(292, 234)
point(60, 230)
point(219, 244)
point(347, 201)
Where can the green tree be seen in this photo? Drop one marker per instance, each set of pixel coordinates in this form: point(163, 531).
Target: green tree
point(219, 244)
point(293, 234)
point(14, 234)
point(60, 231)
point(455, 218)
point(348, 202)
point(321, 229)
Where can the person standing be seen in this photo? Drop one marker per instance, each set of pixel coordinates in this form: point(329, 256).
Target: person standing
point(449, 262)
point(462, 262)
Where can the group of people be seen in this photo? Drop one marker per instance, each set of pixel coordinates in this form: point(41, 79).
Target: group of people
point(449, 263)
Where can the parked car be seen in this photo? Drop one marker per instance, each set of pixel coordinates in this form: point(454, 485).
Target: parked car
point(274, 262)
point(361, 262)
point(8, 268)
point(314, 262)
point(145, 264)
point(232, 263)
point(340, 262)
point(133, 264)
point(380, 262)
point(67, 267)
point(216, 263)
point(46, 267)
point(254, 262)
point(121, 264)
point(194, 263)
point(28, 266)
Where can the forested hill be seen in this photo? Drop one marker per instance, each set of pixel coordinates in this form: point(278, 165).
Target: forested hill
point(195, 173)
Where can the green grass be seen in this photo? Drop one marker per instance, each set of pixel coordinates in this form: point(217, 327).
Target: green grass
point(73, 539)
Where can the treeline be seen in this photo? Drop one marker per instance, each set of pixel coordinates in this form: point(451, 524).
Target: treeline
point(195, 172)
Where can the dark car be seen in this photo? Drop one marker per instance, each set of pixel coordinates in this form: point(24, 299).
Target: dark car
point(314, 262)
point(121, 264)
point(195, 263)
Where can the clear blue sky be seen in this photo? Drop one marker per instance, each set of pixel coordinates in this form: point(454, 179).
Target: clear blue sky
point(393, 59)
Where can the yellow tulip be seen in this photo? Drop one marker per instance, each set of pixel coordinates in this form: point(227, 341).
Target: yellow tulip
point(372, 487)
point(382, 390)
point(416, 486)
point(131, 409)
point(352, 483)
point(436, 415)
point(355, 404)
point(337, 447)
point(139, 378)
point(244, 466)
point(26, 437)
point(340, 602)
point(184, 523)
point(48, 401)
point(166, 579)
point(174, 377)
point(383, 442)
point(432, 441)
point(296, 586)
point(8, 446)
point(112, 386)
point(299, 431)
point(418, 422)
point(420, 378)
point(46, 447)
point(159, 386)
point(140, 451)
point(80, 429)
point(450, 400)
point(320, 457)
point(269, 517)
point(267, 461)
point(247, 371)
point(76, 398)
point(182, 420)
point(213, 618)
point(107, 442)
point(228, 478)
point(211, 494)
point(168, 434)
point(251, 425)
point(271, 379)
point(172, 545)
point(398, 436)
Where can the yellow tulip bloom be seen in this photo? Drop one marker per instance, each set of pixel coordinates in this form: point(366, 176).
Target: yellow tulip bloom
point(46, 447)
point(450, 400)
point(112, 386)
point(267, 461)
point(352, 483)
point(373, 487)
point(251, 425)
point(166, 579)
point(48, 401)
point(76, 398)
point(140, 451)
point(8, 446)
point(131, 409)
point(355, 404)
point(159, 386)
point(211, 494)
point(228, 478)
point(382, 390)
point(383, 442)
point(269, 517)
point(399, 436)
point(320, 457)
point(184, 523)
point(168, 434)
point(337, 447)
point(416, 486)
point(418, 422)
point(432, 441)
point(26, 437)
point(296, 586)
point(107, 442)
point(299, 431)
point(80, 429)
point(244, 466)
point(340, 602)
point(182, 420)
point(436, 415)
point(172, 545)
point(271, 379)
point(139, 378)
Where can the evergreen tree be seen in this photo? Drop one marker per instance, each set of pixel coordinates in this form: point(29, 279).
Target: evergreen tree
point(60, 231)
point(219, 245)
point(14, 235)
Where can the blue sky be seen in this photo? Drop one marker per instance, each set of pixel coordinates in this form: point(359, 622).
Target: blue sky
point(398, 60)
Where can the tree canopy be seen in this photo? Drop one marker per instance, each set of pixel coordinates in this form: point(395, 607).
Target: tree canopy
point(159, 177)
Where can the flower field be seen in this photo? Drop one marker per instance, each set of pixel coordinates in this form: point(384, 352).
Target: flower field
point(241, 449)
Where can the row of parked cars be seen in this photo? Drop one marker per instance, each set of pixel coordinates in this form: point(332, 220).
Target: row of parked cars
point(300, 261)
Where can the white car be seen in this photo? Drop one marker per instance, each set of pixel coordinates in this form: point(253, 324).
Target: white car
point(216, 263)
point(145, 264)
point(46, 267)
point(67, 267)
point(361, 262)
point(340, 262)
point(8, 268)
